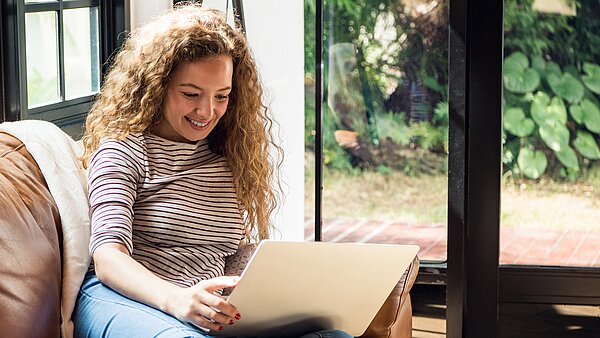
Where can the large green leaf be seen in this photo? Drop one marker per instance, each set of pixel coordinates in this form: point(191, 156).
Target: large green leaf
point(586, 145)
point(591, 116)
point(592, 77)
point(516, 123)
point(568, 158)
point(566, 86)
point(554, 134)
point(538, 63)
point(543, 108)
point(518, 77)
point(515, 62)
point(532, 163)
point(553, 68)
point(576, 112)
point(586, 112)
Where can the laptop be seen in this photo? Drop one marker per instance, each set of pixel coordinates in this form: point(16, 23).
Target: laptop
point(292, 288)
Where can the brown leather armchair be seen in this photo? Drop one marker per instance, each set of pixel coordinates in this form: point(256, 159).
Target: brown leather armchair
point(31, 255)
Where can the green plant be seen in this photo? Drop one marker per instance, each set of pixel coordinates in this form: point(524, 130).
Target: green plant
point(382, 63)
point(551, 117)
point(393, 126)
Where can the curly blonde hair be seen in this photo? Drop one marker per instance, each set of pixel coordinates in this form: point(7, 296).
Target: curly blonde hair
point(133, 94)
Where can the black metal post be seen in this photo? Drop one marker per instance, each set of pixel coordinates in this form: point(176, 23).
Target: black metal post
point(2, 93)
point(112, 18)
point(238, 12)
point(319, 119)
point(474, 174)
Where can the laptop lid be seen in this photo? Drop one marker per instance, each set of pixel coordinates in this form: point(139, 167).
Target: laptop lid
point(292, 288)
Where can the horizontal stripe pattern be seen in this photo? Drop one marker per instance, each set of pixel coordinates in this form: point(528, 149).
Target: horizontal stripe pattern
point(173, 205)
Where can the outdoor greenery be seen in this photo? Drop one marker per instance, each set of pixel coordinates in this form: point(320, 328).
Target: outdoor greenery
point(392, 47)
point(400, 51)
point(552, 91)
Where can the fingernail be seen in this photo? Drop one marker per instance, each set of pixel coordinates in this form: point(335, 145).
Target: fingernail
point(220, 328)
point(231, 322)
point(238, 316)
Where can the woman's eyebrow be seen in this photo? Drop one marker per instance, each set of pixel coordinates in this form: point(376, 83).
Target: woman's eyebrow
point(200, 88)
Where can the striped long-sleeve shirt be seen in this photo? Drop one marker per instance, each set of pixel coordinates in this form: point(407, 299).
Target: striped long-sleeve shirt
point(173, 205)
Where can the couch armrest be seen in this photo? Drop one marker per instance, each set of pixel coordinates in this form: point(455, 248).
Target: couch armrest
point(394, 319)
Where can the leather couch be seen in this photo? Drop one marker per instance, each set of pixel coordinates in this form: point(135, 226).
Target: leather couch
point(30, 256)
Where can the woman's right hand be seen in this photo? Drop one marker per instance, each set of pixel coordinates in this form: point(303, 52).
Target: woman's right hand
point(202, 306)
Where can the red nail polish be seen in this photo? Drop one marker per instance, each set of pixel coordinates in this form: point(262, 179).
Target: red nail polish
point(220, 328)
point(238, 316)
point(231, 322)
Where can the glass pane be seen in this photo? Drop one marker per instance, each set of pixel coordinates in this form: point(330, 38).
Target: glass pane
point(82, 67)
point(42, 58)
point(551, 183)
point(38, 1)
point(385, 123)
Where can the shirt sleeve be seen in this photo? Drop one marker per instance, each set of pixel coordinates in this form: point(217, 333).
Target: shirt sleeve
point(113, 177)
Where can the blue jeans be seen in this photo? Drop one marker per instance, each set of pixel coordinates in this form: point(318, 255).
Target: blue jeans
point(102, 312)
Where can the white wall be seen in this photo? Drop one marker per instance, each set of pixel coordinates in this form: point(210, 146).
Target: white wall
point(142, 10)
point(275, 30)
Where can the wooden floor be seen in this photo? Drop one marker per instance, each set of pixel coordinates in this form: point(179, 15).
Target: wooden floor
point(516, 320)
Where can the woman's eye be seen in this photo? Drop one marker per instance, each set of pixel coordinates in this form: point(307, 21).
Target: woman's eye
point(222, 97)
point(190, 94)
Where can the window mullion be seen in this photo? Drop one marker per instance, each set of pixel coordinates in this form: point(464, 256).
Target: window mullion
point(95, 52)
point(61, 51)
point(19, 109)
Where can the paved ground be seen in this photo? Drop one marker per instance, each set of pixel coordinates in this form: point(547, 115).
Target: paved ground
point(518, 246)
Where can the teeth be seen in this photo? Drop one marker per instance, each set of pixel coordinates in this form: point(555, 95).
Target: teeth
point(196, 123)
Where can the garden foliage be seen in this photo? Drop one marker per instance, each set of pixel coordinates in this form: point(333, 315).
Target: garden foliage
point(551, 84)
point(552, 91)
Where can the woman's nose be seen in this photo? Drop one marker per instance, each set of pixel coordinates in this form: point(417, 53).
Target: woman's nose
point(205, 108)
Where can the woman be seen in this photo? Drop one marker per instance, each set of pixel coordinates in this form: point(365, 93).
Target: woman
point(177, 151)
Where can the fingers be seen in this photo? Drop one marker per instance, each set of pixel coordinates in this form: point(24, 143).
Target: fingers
point(219, 304)
point(211, 319)
point(213, 312)
point(212, 306)
point(206, 323)
point(214, 284)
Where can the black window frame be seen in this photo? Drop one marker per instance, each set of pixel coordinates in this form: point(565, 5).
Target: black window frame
point(112, 28)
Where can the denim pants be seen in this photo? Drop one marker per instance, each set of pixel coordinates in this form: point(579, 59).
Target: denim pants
point(102, 312)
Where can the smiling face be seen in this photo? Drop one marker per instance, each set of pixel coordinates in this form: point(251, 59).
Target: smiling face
point(197, 97)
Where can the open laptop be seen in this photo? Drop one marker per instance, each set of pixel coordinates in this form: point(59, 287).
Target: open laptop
point(292, 288)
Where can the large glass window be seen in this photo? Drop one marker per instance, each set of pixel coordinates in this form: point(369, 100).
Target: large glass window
point(53, 54)
point(385, 123)
point(63, 49)
point(551, 190)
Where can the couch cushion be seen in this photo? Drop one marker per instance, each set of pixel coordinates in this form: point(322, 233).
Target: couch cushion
point(30, 268)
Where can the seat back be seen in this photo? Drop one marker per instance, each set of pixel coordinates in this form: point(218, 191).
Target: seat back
point(30, 267)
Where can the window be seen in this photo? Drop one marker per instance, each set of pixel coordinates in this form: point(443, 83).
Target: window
point(550, 196)
point(384, 124)
point(58, 48)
